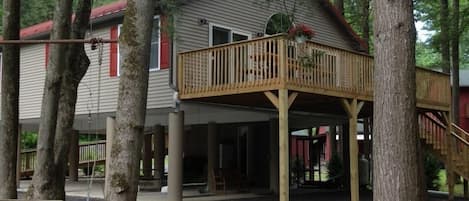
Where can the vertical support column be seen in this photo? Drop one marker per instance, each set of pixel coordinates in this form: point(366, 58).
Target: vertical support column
point(333, 142)
point(284, 161)
point(449, 160)
point(340, 142)
point(159, 147)
point(147, 156)
point(274, 137)
point(18, 158)
point(353, 108)
point(110, 132)
point(211, 155)
point(176, 134)
point(366, 139)
point(73, 156)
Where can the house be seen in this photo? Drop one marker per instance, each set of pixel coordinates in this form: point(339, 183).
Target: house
point(232, 91)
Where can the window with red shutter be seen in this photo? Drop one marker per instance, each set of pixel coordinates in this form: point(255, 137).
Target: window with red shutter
point(160, 48)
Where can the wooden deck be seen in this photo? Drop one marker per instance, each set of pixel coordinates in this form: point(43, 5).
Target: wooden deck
point(238, 73)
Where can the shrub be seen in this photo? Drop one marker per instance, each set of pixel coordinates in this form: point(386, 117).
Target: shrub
point(335, 169)
point(432, 167)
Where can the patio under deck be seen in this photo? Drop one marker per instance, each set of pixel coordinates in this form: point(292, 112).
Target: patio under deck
point(274, 72)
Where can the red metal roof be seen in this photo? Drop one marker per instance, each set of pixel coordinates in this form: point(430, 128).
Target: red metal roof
point(96, 13)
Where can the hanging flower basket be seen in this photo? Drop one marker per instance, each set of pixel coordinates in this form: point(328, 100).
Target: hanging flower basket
point(301, 33)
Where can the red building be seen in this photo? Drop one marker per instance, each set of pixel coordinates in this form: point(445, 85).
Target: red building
point(464, 99)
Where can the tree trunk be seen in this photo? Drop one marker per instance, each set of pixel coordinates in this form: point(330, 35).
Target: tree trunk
point(395, 140)
point(10, 97)
point(444, 36)
point(121, 185)
point(340, 6)
point(365, 18)
point(45, 171)
point(455, 34)
point(77, 64)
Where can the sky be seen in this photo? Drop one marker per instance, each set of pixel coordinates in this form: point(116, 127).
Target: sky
point(422, 35)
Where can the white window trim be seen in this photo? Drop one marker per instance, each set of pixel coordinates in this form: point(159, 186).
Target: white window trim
point(232, 31)
point(158, 67)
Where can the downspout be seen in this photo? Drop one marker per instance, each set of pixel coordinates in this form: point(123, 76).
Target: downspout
point(172, 66)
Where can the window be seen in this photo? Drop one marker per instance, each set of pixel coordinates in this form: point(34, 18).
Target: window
point(278, 23)
point(155, 47)
point(221, 35)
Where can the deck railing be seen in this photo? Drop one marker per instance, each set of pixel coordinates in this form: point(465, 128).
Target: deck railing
point(271, 62)
point(88, 152)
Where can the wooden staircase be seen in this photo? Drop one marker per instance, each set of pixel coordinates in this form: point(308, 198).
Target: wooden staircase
point(451, 146)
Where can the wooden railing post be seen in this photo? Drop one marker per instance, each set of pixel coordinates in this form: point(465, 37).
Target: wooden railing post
point(73, 157)
point(449, 157)
point(282, 53)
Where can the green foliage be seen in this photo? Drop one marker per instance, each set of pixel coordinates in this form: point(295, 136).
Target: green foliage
point(335, 168)
point(278, 23)
point(432, 167)
point(28, 140)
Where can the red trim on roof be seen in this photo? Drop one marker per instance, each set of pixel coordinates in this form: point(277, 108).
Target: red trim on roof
point(98, 12)
point(340, 18)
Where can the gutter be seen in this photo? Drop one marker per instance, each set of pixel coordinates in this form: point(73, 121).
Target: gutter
point(172, 68)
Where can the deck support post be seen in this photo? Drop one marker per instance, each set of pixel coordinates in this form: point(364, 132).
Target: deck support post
point(176, 135)
point(110, 132)
point(284, 161)
point(274, 137)
point(211, 155)
point(450, 175)
point(18, 158)
point(73, 156)
point(147, 156)
point(333, 142)
point(353, 109)
point(159, 147)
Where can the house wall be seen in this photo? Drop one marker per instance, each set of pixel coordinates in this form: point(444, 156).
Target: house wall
point(252, 16)
point(243, 15)
point(33, 76)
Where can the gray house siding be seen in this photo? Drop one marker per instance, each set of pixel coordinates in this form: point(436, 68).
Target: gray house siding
point(252, 16)
point(33, 76)
point(242, 15)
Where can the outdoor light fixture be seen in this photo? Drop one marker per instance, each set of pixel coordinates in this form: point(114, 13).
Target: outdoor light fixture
point(203, 21)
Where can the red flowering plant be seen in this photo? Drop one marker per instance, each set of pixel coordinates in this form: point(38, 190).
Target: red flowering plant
point(301, 31)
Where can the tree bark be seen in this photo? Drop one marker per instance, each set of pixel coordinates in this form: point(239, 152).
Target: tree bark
point(340, 6)
point(444, 36)
point(77, 64)
point(45, 171)
point(121, 185)
point(365, 18)
point(10, 97)
point(395, 139)
point(455, 34)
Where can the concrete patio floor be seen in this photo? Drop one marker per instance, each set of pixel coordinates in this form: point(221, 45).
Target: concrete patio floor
point(79, 191)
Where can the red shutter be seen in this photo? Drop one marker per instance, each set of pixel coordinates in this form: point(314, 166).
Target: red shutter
point(165, 54)
point(114, 54)
point(46, 50)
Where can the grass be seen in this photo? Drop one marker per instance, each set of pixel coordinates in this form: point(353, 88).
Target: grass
point(458, 188)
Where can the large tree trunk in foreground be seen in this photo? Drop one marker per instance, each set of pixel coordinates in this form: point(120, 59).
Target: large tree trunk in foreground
point(45, 171)
point(444, 36)
point(395, 140)
point(121, 185)
point(10, 96)
point(77, 64)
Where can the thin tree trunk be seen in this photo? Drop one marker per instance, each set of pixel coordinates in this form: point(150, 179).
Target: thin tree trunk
point(76, 66)
point(455, 60)
point(444, 36)
point(365, 17)
point(45, 171)
point(10, 97)
point(395, 140)
point(121, 185)
point(340, 6)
